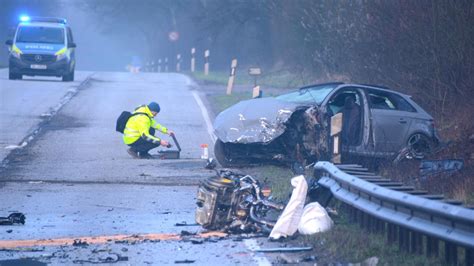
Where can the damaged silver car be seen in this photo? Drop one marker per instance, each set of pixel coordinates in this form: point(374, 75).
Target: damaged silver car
point(294, 127)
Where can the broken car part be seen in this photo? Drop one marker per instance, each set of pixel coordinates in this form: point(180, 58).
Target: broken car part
point(234, 203)
point(14, 218)
point(435, 167)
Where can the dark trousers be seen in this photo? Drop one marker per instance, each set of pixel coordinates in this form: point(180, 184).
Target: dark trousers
point(143, 146)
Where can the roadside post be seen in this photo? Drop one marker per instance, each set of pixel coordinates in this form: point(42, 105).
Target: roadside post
point(166, 64)
point(178, 63)
point(336, 129)
point(230, 83)
point(159, 65)
point(153, 66)
point(193, 59)
point(206, 64)
point(255, 72)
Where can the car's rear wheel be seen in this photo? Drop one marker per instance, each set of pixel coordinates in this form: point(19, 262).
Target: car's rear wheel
point(420, 145)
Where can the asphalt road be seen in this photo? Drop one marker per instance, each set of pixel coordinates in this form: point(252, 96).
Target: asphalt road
point(67, 170)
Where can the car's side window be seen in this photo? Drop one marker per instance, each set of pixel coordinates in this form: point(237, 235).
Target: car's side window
point(388, 101)
point(70, 39)
point(336, 104)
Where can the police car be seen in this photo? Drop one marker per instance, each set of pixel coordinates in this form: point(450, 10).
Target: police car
point(42, 47)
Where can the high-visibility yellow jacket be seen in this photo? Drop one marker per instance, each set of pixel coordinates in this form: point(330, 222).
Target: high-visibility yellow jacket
point(138, 126)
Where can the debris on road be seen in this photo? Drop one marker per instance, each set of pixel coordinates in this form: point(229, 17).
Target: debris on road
point(184, 223)
point(186, 261)
point(211, 164)
point(14, 218)
point(79, 243)
point(110, 257)
point(246, 206)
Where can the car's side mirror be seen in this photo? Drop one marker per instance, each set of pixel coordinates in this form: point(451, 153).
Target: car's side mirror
point(71, 45)
point(9, 42)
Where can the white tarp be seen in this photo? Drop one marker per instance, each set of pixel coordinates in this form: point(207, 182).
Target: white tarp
point(315, 219)
point(289, 220)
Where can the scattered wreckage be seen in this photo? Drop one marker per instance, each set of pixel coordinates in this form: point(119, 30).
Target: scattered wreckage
point(295, 127)
point(236, 203)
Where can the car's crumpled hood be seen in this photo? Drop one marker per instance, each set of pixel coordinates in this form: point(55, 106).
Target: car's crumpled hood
point(256, 120)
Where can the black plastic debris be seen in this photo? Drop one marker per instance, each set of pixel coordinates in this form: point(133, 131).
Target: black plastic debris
point(79, 243)
point(186, 233)
point(14, 218)
point(211, 164)
point(186, 261)
point(183, 223)
point(436, 167)
point(197, 241)
point(297, 168)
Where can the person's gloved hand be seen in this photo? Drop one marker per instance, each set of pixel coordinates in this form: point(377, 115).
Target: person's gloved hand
point(165, 143)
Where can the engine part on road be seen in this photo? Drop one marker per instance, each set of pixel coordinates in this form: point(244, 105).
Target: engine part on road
point(14, 218)
point(234, 202)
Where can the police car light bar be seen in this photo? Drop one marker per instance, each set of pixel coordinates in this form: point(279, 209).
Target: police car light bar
point(24, 18)
point(46, 19)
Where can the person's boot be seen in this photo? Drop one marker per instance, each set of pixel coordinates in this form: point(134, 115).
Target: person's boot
point(133, 153)
point(145, 155)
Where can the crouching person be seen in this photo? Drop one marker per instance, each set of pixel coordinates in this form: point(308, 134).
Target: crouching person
point(140, 130)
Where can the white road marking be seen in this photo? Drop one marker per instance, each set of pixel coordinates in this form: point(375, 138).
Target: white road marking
point(260, 259)
point(205, 115)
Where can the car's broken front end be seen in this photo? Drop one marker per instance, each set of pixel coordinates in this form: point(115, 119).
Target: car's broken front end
point(269, 130)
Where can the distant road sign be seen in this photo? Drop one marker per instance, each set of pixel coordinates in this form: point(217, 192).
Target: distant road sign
point(255, 71)
point(173, 36)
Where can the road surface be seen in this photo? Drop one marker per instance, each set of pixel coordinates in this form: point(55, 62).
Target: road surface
point(67, 170)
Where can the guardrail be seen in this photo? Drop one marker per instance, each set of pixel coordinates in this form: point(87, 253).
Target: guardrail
point(418, 223)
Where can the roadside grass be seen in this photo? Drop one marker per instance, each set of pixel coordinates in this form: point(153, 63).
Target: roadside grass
point(348, 243)
point(276, 79)
point(220, 102)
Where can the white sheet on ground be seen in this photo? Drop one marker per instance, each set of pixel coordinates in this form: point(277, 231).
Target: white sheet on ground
point(288, 222)
point(315, 219)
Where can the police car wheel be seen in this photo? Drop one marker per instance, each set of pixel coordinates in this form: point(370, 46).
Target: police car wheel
point(13, 76)
point(69, 76)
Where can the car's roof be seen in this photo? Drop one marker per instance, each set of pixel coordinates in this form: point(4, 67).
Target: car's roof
point(369, 86)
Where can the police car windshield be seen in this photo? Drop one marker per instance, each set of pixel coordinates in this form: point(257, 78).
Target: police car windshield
point(40, 35)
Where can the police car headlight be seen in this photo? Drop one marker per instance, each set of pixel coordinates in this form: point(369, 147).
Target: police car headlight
point(60, 56)
point(16, 54)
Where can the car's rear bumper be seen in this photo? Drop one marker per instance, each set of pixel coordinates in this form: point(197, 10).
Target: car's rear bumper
point(58, 68)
